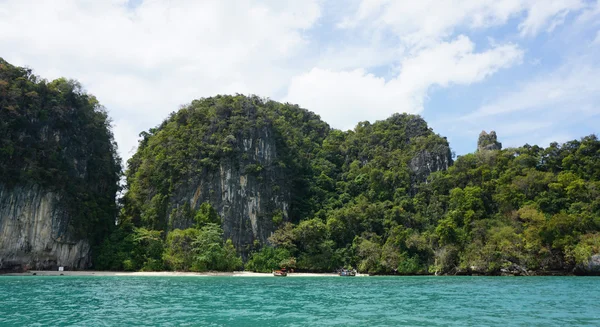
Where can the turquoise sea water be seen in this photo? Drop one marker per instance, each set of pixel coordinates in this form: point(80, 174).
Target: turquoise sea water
point(299, 301)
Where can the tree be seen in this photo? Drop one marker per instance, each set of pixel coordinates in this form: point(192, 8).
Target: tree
point(211, 253)
point(179, 249)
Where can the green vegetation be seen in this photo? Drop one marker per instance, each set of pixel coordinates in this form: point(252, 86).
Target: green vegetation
point(385, 197)
point(199, 248)
point(198, 137)
point(55, 135)
point(525, 209)
point(357, 198)
point(365, 198)
point(327, 172)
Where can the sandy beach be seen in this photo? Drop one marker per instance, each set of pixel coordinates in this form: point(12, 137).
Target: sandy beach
point(166, 274)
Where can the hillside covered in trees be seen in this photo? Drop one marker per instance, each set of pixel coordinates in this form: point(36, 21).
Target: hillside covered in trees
point(59, 171)
point(234, 181)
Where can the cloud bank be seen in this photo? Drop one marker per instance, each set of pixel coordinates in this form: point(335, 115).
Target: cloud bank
point(362, 60)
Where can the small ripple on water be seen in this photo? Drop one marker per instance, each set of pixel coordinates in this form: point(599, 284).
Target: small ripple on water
point(226, 301)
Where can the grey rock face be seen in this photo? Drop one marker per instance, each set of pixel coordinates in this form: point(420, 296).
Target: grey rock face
point(427, 162)
point(430, 158)
point(488, 141)
point(247, 190)
point(34, 232)
point(593, 265)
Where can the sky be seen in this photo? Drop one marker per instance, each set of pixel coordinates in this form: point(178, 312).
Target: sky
point(528, 69)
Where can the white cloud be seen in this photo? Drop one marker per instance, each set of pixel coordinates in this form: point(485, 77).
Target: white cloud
point(358, 56)
point(426, 31)
point(125, 136)
point(589, 15)
point(554, 107)
point(426, 54)
point(343, 98)
point(143, 62)
point(420, 22)
point(569, 89)
point(456, 62)
point(385, 56)
point(550, 13)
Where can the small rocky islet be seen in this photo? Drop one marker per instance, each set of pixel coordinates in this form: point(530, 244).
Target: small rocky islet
point(232, 182)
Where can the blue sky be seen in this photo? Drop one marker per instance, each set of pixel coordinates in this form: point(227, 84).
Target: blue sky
point(525, 68)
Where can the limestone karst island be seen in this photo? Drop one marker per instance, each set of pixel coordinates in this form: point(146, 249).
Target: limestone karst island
point(299, 163)
point(235, 182)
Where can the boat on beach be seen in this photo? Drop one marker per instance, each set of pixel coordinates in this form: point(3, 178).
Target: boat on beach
point(280, 273)
point(347, 273)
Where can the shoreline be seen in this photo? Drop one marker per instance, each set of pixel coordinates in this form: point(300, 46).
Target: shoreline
point(165, 274)
point(245, 274)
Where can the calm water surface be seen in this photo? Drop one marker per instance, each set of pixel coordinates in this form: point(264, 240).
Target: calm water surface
point(299, 301)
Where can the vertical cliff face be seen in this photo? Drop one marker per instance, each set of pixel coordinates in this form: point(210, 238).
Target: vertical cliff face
point(34, 232)
point(247, 190)
point(428, 161)
point(58, 172)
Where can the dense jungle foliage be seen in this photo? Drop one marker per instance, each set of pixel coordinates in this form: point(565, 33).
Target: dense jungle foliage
point(522, 211)
point(194, 140)
point(55, 135)
point(360, 198)
point(385, 197)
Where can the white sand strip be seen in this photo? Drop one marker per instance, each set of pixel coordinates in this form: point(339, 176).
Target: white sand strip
point(165, 274)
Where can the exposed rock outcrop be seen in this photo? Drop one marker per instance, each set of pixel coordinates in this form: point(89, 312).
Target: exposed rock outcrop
point(34, 232)
point(59, 172)
point(592, 267)
point(430, 156)
point(430, 161)
point(488, 141)
point(247, 190)
point(248, 158)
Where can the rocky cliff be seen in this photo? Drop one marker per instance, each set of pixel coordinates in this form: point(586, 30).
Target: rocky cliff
point(428, 161)
point(247, 190)
point(58, 172)
point(34, 232)
point(488, 141)
point(242, 155)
